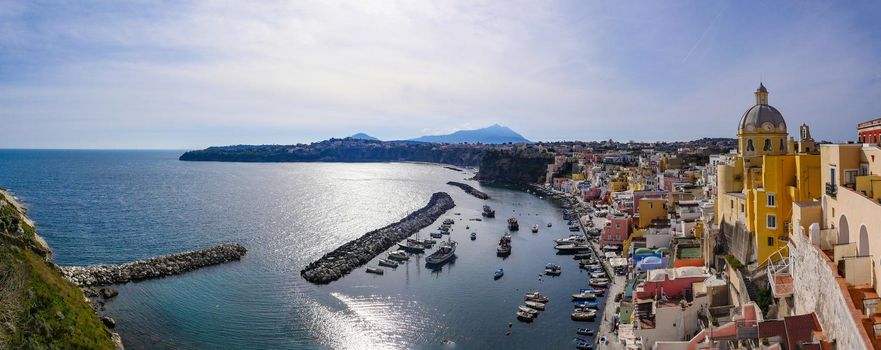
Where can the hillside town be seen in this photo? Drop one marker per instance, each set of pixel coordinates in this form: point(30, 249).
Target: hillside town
point(770, 245)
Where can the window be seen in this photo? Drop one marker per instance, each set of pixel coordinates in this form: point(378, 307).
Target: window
point(767, 146)
point(772, 222)
point(864, 169)
point(749, 145)
point(732, 204)
point(742, 208)
point(772, 200)
point(850, 177)
point(770, 241)
point(832, 176)
point(782, 145)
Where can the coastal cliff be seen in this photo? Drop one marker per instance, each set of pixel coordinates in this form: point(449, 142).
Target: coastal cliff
point(511, 167)
point(38, 307)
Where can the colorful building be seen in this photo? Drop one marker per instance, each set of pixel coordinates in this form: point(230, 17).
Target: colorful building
point(757, 187)
point(869, 131)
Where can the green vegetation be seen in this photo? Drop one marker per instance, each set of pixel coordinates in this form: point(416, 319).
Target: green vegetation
point(39, 309)
point(733, 262)
point(764, 299)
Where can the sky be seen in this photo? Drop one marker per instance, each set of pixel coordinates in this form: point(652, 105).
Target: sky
point(191, 74)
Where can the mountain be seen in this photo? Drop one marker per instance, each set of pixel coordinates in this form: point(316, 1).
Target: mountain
point(363, 136)
point(491, 134)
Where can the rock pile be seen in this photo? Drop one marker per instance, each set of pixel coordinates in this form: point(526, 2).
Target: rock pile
point(349, 256)
point(166, 265)
point(469, 190)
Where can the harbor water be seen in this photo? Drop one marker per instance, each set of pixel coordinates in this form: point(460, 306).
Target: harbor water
point(115, 206)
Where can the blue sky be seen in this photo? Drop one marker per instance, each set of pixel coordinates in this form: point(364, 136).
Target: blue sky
point(182, 74)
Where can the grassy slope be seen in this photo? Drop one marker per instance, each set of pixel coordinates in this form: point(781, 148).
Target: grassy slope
point(39, 309)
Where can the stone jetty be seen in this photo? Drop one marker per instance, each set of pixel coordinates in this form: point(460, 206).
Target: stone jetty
point(161, 266)
point(334, 265)
point(469, 190)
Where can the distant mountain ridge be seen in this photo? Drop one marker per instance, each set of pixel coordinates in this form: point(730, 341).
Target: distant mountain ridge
point(493, 134)
point(363, 136)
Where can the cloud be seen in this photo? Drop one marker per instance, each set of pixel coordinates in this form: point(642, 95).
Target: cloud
point(193, 74)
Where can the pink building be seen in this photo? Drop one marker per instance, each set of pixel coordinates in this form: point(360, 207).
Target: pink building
point(674, 283)
point(616, 231)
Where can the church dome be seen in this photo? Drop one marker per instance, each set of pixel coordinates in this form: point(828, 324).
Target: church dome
point(762, 118)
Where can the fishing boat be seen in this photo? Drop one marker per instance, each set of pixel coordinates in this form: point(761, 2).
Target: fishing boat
point(442, 254)
point(595, 291)
point(535, 305)
point(599, 283)
point(584, 331)
point(398, 255)
point(524, 317)
point(583, 345)
point(583, 295)
point(550, 224)
point(535, 228)
point(499, 273)
point(388, 263)
point(411, 247)
point(582, 256)
point(572, 239)
point(574, 228)
point(488, 212)
point(513, 225)
point(504, 249)
point(376, 270)
point(532, 312)
point(536, 296)
point(584, 315)
point(506, 237)
point(553, 269)
point(437, 234)
point(473, 235)
point(449, 221)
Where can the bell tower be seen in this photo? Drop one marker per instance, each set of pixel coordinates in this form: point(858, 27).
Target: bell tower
point(761, 95)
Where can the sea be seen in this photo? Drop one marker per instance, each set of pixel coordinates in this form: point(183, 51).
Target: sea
point(104, 207)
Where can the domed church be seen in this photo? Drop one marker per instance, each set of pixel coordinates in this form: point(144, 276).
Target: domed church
point(757, 186)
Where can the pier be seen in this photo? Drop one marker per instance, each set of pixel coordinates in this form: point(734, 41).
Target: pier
point(336, 264)
point(469, 190)
point(161, 266)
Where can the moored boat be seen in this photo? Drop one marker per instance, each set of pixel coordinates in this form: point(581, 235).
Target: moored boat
point(587, 304)
point(553, 269)
point(583, 295)
point(535, 228)
point(536, 296)
point(504, 249)
point(411, 247)
point(528, 310)
point(398, 255)
point(376, 270)
point(599, 283)
point(577, 247)
point(499, 273)
point(473, 235)
point(584, 331)
point(437, 234)
point(572, 239)
point(388, 263)
point(488, 212)
point(583, 345)
point(550, 224)
point(513, 225)
point(535, 305)
point(524, 317)
point(442, 254)
point(584, 315)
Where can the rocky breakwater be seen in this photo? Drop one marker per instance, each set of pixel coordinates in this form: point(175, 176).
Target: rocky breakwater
point(334, 265)
point(469, 190)
point(161, 266)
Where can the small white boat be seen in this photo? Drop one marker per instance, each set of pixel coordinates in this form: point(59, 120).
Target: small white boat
point(584, 315)
point(571, 239)
point(597, 274)
point(528, 310)
point(577, 247)
point(376, 270)
point(535, 305)
point(535, 228)
point(525, 317)
point(584, 295)
point(553, 269)
point(599, 283)
point(387, 262)
point(437, 234)
point(398, 255)
point(536, 296)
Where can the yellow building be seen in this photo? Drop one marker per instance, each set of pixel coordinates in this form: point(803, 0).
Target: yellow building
point(651, 209)
point(757, 188)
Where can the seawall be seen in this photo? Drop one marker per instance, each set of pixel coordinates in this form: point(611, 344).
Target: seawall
point(469, 190)
point(161, 266)
point(336, 264)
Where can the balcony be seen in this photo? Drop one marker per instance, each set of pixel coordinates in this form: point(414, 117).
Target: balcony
point(831, 190)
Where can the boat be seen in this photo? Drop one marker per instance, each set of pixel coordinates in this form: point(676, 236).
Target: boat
point(587, 304)
point(584, 315)
point(376, 270)
point(473, 235)
point(595, 291)
point(528, 310)
point(506, 237)
point(583, 345)
point(442, 254)
point(387, 262)
point(411, 247)
point(504, 249)
point(449, 221)
point(488, 212)
point(513, 225)
point(398, 255)
point(499, 273)
point(582, 256)
point(584, 331)
point(584, 295)
point(448, 344)
point(572, 247)
point(599, 283)
point(525, 317)
point(550, 224)
point(536, 296)
point(553, 269)
point(572, 239)
point(437, 234)
point(535, 228)
point(535, 305)
point(574, 228)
